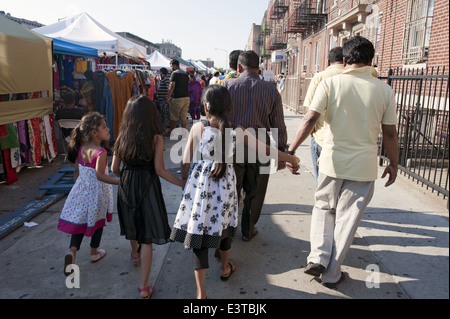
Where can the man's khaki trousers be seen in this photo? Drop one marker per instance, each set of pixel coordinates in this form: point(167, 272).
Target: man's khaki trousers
point(338, 209)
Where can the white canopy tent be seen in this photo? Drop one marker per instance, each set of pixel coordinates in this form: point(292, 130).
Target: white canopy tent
point(82, 29)
point(158, 61)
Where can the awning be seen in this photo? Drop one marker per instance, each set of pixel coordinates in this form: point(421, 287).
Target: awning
point(64, 47)
point(25, 67)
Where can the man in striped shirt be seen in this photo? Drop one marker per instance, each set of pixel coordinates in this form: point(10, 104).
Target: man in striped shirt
point(256, 104)
point(163, 90)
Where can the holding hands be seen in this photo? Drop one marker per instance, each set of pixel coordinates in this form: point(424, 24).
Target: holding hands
point(294, 167)
point(292, 163)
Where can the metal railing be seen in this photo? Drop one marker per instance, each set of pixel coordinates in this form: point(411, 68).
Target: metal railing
point(422, 98)
point(292, 93)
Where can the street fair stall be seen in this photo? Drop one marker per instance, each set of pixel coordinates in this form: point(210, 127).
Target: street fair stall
point(83, 30)
point(26, 99)
point(116, 84)
point(107, 83)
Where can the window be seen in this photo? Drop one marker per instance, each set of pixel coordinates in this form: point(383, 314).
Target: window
point(320, 6)
point(332, 41)
point(316, 67)
point(419, 18)
point(305, 55)
point(372, 30)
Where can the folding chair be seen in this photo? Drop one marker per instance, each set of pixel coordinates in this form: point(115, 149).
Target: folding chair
point(66, 124)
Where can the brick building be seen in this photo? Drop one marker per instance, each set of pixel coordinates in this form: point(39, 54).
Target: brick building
point(150, 46)
point(170, 50)
point(406, 34)
point(414, 34)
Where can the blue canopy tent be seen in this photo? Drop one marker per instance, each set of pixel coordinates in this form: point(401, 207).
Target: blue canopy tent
point(197, 66)
point(68, 48)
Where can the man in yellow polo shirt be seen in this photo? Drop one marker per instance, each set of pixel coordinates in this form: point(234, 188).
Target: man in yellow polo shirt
point(355, 104)
point(335, 67)
point(233, 57)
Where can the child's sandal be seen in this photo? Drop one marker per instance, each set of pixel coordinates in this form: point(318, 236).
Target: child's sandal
point(135, 260)
point(149, 289)
point(99, 255)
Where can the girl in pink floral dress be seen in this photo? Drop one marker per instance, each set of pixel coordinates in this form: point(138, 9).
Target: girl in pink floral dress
point(90, 202)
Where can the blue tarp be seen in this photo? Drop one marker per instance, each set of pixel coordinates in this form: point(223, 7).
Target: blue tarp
point(64, 47)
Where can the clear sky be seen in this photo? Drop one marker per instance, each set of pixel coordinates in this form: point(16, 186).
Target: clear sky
point(198, 27)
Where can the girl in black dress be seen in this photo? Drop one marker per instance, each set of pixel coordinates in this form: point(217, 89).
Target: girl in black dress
point(141, 208)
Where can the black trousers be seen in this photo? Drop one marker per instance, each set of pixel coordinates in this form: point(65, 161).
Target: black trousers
point(75, 240)
point(254, 184)
point(201, 255)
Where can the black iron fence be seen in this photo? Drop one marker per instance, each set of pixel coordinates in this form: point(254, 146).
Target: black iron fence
point(422, 98)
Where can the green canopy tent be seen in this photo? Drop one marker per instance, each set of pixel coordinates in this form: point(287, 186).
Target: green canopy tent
point(186, 64)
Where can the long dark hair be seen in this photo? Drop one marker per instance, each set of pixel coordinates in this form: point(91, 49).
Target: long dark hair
point(140, 123)
point(218, 100)
point(82, 133)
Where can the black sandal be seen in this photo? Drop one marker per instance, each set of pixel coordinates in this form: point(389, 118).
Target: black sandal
point(232, 270)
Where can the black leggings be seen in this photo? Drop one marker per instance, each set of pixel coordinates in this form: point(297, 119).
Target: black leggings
point(201, 255)
point(75, 240)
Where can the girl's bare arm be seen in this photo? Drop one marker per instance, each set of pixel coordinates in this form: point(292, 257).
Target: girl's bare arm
point(100, 170)
point(159, 164)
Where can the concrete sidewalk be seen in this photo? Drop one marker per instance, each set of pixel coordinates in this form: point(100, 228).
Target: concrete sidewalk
point(404, 235)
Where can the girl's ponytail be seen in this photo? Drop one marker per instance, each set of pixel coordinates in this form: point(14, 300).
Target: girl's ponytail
point(76, 137)
point(82, 132)
point(217, 100)
point(221, 167)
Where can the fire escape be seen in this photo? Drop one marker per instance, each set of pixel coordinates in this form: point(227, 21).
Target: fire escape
point(263, 39)
point(308, 18)
point(277, 38)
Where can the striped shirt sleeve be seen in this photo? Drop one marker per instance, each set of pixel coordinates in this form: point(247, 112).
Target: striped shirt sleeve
point(257, 104)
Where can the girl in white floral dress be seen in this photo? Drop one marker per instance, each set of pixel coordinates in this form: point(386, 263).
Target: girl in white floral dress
point(208, 213)
point(90, 202)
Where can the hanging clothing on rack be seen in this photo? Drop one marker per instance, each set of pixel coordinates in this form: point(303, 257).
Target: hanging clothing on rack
point(121, 85)
point(104, 102)
point(50, 137)
point(35, 141)
point(16, 161)
point(24, 142)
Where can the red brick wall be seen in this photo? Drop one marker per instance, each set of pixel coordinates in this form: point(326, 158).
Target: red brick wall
point(439, 44)
point(392, 34)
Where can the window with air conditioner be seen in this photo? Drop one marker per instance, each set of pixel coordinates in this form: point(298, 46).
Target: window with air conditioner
point(417, 33)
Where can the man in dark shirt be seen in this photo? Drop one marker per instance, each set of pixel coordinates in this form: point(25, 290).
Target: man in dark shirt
point(256, 104)
point(179, 102)
point(69, 111)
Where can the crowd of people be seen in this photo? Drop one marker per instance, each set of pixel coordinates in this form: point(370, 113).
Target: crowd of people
point(352, 103)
